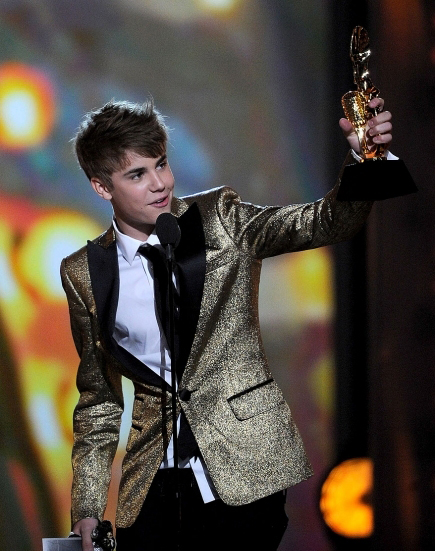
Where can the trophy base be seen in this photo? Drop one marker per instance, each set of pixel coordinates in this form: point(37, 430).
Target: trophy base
point(375, 180)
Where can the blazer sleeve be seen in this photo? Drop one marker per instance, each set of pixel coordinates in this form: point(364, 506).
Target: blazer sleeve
point(269, 231)
point(97, 416)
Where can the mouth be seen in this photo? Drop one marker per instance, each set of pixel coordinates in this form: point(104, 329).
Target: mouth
point(160, 203)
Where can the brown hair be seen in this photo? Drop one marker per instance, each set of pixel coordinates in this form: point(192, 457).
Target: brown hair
point(106, 134)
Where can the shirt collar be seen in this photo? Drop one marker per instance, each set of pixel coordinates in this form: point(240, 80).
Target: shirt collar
point(129, 245)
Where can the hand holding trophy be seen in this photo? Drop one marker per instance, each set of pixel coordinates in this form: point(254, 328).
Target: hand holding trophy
point(368, 181)
point(355, 103)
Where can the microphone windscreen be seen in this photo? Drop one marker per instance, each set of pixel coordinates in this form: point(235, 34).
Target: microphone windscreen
point(167, 229)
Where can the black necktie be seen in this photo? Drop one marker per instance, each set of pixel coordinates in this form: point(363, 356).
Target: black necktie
point(187, 446)
point(161, 290)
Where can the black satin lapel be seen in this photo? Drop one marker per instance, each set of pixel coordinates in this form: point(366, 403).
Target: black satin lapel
point(104, 272)
point(103, 269)
point(141, 372)
point(190, 257)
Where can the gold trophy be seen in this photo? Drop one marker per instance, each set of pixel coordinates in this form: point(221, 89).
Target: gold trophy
point(368, 181)
point(355, 103)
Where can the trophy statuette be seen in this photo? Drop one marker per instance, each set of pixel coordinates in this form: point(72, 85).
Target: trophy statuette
point(368, 181)
point(355, 103)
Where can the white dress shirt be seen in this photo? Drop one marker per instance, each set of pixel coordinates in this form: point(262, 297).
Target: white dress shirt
point(138, 330)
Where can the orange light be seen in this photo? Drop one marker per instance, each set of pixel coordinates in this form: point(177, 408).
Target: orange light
point(27, 106)
point(345, 500)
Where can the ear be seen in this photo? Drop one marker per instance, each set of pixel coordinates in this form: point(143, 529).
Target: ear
point(101, 189)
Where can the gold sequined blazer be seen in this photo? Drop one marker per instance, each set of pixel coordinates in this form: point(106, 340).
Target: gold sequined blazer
point(242, 424)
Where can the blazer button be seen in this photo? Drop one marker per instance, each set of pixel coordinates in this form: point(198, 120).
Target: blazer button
point(185, 394)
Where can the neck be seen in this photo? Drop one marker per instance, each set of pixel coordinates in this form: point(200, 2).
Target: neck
point(140, 233)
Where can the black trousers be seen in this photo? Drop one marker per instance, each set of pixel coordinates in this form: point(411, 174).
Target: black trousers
point(258, 526)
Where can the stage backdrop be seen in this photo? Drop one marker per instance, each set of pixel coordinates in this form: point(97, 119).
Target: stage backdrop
point(243, 86)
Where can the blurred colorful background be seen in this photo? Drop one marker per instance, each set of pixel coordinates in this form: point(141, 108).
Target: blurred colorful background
point(251, 90)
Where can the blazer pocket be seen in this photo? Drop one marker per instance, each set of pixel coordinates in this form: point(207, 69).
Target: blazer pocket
point(255, 400)
point(135, 431)
point(138, 408)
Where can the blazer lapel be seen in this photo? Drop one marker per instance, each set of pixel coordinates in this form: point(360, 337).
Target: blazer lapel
point(104, 273)
point(190, 257)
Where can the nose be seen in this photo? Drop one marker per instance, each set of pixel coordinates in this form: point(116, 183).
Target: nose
point(157, 183)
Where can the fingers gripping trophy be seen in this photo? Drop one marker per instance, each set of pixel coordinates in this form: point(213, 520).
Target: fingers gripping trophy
point(355, 103)
point(365, 180)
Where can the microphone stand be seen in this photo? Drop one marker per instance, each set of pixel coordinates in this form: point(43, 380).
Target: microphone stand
point(169, 249)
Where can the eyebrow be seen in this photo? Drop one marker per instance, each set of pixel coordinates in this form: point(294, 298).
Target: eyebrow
point(143, 169)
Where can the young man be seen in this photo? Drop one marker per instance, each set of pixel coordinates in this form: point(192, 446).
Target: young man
point(246, 449)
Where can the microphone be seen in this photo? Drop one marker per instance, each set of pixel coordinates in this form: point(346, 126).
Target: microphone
point(168, 231)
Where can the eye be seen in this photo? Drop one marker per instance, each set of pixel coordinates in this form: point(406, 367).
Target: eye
point(137, 175)
point(163, 164)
